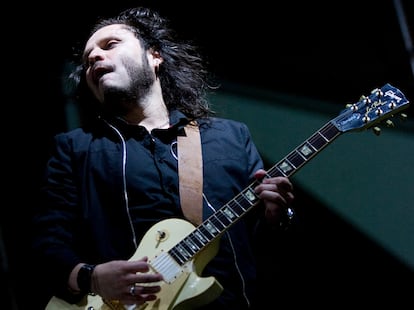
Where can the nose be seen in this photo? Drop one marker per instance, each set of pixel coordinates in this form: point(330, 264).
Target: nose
point(95, 55)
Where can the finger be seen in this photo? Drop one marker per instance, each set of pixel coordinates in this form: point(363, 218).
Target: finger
point(259, 174)
point(281, 182)
point(147, 277)
point(138, 294)
point(147, 289)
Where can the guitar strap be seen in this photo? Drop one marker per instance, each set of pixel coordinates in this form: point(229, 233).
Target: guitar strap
point(190, 171)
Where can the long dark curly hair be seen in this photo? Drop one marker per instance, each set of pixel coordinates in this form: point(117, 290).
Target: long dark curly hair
point(184, 79)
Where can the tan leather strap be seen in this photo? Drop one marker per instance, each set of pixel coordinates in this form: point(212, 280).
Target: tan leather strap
point(190, 171)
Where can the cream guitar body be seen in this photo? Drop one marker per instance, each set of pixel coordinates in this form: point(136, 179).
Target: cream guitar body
point(182, 289)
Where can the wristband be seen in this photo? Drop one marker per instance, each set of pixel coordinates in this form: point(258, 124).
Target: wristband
point(84, 278)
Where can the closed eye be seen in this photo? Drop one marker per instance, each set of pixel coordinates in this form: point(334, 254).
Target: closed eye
point(111, 44)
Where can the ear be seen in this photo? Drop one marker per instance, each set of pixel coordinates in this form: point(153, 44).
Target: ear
point(156, 58)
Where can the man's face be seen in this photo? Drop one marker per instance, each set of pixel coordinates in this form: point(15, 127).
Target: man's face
point(116, 64)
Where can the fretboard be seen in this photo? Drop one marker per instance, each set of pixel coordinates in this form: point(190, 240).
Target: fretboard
point(232, 211)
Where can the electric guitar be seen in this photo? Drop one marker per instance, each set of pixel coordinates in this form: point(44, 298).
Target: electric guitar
point(180, 251)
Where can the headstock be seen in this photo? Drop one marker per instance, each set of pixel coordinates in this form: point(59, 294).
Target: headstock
point(380, 105)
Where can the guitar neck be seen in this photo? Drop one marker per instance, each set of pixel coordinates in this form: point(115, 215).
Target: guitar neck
point(236, 208)
point(305, 152)
point(368, 111)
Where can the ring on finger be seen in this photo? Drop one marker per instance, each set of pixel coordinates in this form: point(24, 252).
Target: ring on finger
point(132, 290)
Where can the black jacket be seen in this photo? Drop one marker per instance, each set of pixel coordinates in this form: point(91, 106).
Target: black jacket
point(105, 186)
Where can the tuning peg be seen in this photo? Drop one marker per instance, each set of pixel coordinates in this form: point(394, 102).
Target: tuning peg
point(379, 111)
point(366, 119)
point(392, 105)
point(403, 116)
point(364, 99)
point(352, 106)
point(367, 100)
point(376, 130)
point(378, 92)
point(389, 123)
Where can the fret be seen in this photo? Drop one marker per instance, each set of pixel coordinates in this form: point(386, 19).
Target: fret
point(177, 254)
point(275, 171)
point(229, 213)
point(214, 218)
point(290, 160)
point(288, 164)
point(306, 150)
point(223, 218)
point(235, 204)
point(296, 159)
point(330, 131)
point(211, 228)
point(301, 155)
point(318, 141)
point(206, 232)
point(242, 202)
point(181, 250)
point(249, 196)
point(200, 237)
point(284, 168)
point(189, 247)
point(191, 244)
point(295, 156)
point(195, 238)
point(320, 133)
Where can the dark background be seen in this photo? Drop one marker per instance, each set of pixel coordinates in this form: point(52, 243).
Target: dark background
point(332, 51)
